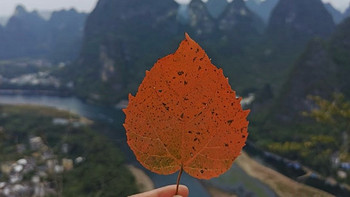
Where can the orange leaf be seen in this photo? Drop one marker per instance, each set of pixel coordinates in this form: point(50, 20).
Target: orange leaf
point(185, 114)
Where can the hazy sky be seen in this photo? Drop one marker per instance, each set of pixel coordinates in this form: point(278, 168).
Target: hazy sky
point(7, 6)
point(339, 4)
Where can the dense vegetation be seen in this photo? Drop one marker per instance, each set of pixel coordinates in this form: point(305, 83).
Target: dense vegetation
point(321, 71)
point(101, 174)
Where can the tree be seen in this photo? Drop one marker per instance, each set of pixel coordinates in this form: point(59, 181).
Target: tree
point(335, 112)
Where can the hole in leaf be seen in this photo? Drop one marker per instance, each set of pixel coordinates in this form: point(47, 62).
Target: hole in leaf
point(180, 73)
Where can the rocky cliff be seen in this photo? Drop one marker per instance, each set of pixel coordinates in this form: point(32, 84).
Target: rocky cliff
point(323, 69)
point(122, 39)
point(336, 14)
point(65, 34)
point(314, 74)
point(292, 24)
point(347, 12)
point(340, 51)
point(262, 8)
point(296, 21)
point(200, 21)
point(237, 20)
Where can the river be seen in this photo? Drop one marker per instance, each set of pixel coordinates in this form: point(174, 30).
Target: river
point(114, 118)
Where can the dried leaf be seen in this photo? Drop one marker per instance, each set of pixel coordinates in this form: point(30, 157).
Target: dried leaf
point(185, 114)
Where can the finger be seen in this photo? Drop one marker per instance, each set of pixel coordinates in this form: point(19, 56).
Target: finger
point(167, 191)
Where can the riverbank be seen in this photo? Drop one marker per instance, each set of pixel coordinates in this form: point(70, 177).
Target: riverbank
point(143, 182)
point(215, 192)
point(281, 184)
point(59, 93)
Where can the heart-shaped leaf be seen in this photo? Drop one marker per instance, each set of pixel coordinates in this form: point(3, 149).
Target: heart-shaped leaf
point(186, 116)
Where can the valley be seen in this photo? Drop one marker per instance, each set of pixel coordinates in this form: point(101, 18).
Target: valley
point(277, 54)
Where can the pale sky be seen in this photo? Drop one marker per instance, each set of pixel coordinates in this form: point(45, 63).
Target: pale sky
point(7, 6)
point(338, 4)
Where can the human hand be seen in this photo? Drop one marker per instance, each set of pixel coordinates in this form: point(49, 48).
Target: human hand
point(167, 191)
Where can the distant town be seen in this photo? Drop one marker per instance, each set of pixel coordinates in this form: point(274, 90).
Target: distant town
point(38, 169)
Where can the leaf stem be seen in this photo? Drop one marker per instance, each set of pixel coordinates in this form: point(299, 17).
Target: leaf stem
point(178, 180)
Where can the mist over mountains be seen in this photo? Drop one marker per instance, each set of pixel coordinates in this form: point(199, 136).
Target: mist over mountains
point(28, 35)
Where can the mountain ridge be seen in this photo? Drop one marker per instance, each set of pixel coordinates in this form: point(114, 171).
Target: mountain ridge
point(262, 8)
point(114, 44)
point(336, 14)
point(322, 70)
point(115, 55)
point(28, 35)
